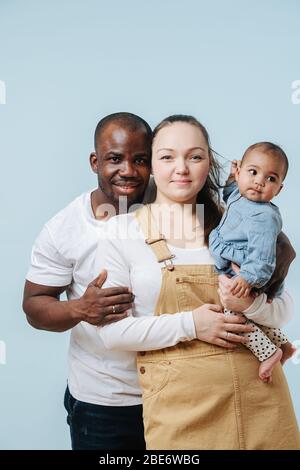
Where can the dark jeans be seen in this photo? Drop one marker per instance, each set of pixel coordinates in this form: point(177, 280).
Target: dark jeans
point(97, 427)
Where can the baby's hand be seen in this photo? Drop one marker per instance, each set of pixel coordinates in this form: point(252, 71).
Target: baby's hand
point(234, 166)
point(240, 287)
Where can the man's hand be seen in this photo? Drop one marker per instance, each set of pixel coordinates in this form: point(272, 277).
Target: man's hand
point(97, 306)
point(100, 306)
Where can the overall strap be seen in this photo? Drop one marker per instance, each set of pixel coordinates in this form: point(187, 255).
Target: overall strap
point(153, 237)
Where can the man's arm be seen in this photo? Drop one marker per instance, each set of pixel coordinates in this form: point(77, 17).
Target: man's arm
point(45, 311)
point(49, 276)
point(285, 254)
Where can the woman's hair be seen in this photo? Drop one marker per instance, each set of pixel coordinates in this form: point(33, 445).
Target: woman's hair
point(209, 194)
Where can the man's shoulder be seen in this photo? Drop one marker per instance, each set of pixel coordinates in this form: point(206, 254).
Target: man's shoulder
point(70, 211)
point(121, 221)
point(71, 220)
point(121, 228)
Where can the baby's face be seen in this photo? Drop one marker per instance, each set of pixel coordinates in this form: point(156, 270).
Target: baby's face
point(260, 176)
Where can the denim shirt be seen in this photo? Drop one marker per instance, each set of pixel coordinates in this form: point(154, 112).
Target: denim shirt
point(247, 233)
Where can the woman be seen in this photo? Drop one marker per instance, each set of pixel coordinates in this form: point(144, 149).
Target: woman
point(196, 394)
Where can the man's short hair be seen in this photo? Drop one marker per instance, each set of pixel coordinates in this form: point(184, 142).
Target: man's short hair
point(127, 120)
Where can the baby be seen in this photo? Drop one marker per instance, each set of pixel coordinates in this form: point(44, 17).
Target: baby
point(247, 236)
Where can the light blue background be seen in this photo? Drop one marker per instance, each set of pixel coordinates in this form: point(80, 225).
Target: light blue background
point(68, 63)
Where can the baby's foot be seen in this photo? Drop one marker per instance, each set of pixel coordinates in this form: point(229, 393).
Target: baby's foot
point(266, 367)
point(288, 349)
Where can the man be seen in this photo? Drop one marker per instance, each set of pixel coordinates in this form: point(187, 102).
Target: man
point(62, 260)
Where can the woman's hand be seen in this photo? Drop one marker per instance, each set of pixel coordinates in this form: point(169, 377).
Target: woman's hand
point(230, 301)
point(212, 326)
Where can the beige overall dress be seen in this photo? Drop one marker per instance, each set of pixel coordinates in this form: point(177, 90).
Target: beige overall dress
point(200, 396)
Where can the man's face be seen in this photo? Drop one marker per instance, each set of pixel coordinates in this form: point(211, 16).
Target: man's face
point(122, 162)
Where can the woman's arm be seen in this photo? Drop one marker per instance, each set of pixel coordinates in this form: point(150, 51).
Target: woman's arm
point(206, 323)
point(148, 333)
point(156, 332)
point(273, 315)
point(135, 333)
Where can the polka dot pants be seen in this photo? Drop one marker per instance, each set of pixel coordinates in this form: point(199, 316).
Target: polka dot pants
point(264, 341)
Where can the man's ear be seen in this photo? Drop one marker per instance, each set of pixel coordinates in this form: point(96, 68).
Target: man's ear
point(94, 162)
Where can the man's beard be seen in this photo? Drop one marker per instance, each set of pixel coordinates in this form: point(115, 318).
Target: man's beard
point(110, 195)
point(130, 200)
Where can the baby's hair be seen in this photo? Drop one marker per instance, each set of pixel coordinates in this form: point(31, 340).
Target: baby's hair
point(271, 149)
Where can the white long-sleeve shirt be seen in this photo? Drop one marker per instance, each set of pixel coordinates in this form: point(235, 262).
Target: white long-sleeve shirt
point(131, 262)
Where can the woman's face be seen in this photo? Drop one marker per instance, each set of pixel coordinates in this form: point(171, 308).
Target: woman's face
point(180, 162)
